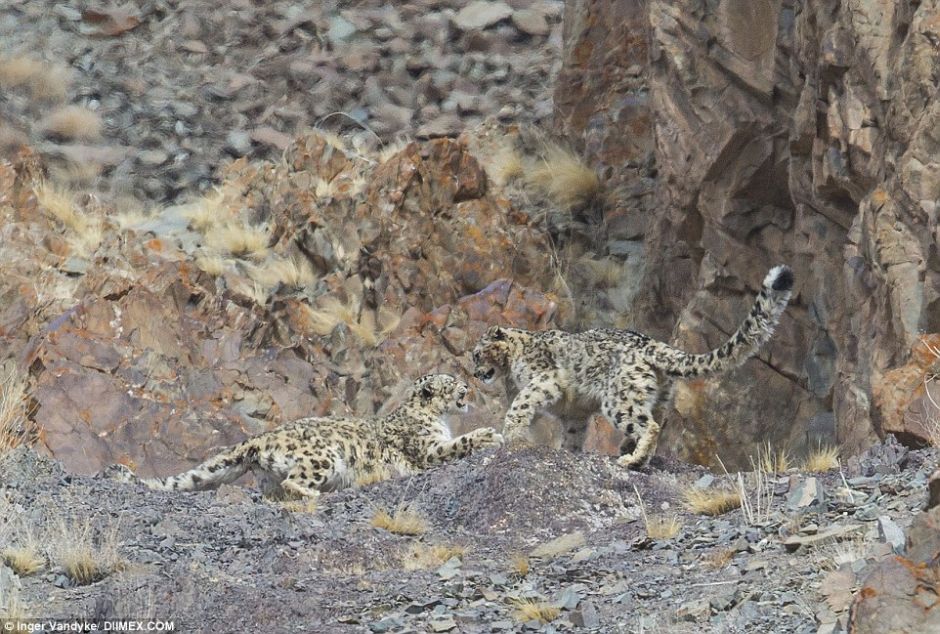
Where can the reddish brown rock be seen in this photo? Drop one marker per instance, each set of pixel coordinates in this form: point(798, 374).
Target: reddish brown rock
point(901, 594)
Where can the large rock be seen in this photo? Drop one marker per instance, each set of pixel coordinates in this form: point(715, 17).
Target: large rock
point(900, 595)
point(775, 138)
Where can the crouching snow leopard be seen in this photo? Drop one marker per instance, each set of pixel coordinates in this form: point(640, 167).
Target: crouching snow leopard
point(627, 373)
point(311, 455)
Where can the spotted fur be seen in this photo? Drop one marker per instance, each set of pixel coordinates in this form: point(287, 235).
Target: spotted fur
point(628, 374)
point(312, 455)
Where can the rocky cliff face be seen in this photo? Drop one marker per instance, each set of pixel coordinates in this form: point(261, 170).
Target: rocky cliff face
point(739, 134)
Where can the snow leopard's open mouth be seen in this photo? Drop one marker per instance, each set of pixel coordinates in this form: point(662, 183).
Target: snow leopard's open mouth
point(485, 376)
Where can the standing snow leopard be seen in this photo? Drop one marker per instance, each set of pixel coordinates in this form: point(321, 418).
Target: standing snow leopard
point(625, 372)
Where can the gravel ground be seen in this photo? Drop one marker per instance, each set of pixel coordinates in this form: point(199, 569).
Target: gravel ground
point(228, 560)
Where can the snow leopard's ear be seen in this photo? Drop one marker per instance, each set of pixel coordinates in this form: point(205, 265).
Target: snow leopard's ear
point(427, 393)
point(497, 333)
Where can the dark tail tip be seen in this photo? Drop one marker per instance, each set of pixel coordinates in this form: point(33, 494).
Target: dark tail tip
point(782, 278)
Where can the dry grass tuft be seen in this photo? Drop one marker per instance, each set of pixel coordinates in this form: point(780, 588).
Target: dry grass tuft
point(711, 501)
point(379, 474)
point(602, 272)
point(293, 272)
point(13, 412)
point(74, 123)
point(404, 522)
point(44, 81)
point(303, 505)
point(207, 211)
point(84, 556)
point(658, 527)
point(821, 460)
point(562, 176)
point(332, 312)
point(390, 150)
point(506, 165)
point(662, 527)
point(527, 610)
point(25, 557)
point(425, 556)
point(519, 565)
point(212, 263)
point(770, 461)
point(719, 558)
point(239, 240)
point(85, 232)
point(13, 611)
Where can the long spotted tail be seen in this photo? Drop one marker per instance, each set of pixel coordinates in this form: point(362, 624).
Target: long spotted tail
point(754, 331)
point(222, 468)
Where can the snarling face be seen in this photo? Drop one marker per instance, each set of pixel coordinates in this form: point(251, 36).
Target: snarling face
point(493, 353)
point(441, 393)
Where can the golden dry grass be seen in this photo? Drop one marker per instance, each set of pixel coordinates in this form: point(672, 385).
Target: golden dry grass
point(212, 263)
point(12, 408)
point(526, 610)
point(83, 558)
point(420, 556)
point(302, 505)
point(331, 312)
point(770, 461)
point(519, 565)
point(238, 239)
point(45, 81)
point(391, 149)
point(601, 272)
point(658, 527)
point(718, 558)
point(374, 476)
point(403, 522)
point(662, 527)
point(207, 211)
point(292, 271)
point(73, 123)
point(822, 459)
point(13, 612)
point(711, 501)
point(83, 231)
point(251, 289)
point(505, 165)
point(564, 178)
point(25, 556)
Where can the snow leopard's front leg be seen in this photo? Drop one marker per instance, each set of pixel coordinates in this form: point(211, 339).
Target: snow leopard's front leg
point(541, 391)
point(461, 446)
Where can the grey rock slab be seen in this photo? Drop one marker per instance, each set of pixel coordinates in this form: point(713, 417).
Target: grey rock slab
point(530, 22)
point(806, 495)
point(698, 610)
point(238, 142)
point(890, 533)
point(481, 14)
point(829, 535)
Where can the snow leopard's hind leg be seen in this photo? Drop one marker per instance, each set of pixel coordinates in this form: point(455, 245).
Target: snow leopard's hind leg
point(632, 393)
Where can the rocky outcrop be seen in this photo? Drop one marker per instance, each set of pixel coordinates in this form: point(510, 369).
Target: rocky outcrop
point(901, 594)
point(172, 349)
point(781, 132)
